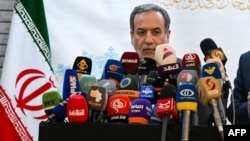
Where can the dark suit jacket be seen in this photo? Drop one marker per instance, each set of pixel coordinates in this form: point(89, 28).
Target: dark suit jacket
point(240, 91)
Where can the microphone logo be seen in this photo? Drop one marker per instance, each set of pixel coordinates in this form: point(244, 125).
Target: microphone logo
point(97, 95)
point(77, 112)
point(125, 82)
point(117, 104)
point(187, 92)
point(130, 61)
point(211, 85)
point(166, 53)
point(174, 66)
point(73, 84)
point(210, 70)
point(187, 77)
point(190, 57)
point(165, 105)
point(113, 67)
point(82, 65)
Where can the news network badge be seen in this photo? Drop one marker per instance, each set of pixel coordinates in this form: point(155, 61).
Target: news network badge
point(237, 132)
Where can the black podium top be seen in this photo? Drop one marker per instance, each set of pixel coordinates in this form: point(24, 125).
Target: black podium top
point(121, 132)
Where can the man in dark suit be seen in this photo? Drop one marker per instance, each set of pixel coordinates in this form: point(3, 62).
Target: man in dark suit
point(239, 108)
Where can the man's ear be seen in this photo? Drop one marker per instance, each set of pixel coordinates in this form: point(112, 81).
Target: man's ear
point(168, 35)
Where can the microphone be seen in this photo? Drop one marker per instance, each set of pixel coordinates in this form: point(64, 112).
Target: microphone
point(186, 101)
point(191, 77)
point(86, 81)
point(70, 83)
point(166, 70)
point(166, 107)
point(109, 85)
point(59, 112)
point(211, 50)
point(144, 67)
point(140, 111)
point(191, 61)
point(154, 118)
point(209, 89)
point(97, 99)
point(151, 79)
point(165, 54)
point(77, 109)
point(168, 66)
point(129, 86)
point(212, 69)
point(49, 100)
point(147, 92)
point(118, 109)
point(82, 65)
point(187, 77)
point(130, 62)
point(113, 70)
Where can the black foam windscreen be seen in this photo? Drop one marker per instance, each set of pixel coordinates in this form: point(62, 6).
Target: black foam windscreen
point(168, 91)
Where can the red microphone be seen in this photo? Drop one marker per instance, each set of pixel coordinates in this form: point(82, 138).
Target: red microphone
point(77, 109)
point(166, 107)
point(118, 109)
point(191, 61)
point(130, 62)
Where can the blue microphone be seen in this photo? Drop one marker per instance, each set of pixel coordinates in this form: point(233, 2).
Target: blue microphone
point(70, 83)
point(113, 70)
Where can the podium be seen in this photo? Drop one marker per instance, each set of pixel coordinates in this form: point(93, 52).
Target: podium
point(57, 131)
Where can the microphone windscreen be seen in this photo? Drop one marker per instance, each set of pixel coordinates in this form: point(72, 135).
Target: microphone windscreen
point(207, 45)
point(82, 65)
point(168, 91)
point(129, 86)
point(86, 81)
point(191, 61)
point(49, 100)
point(211, 50)
point(208, 88)
point(187, 97)
point(97, 98)
point(118, 109)
point(130, 62)
point(166, 102)
point(187, 77)
point(146, 65)
point(70, 84)
point(152, 76)
point(220, 65)
point(147, 92)
point(154, 118)
point(211, 69)
point(165, 54)
point(140, 111)
point(77, 109)
point(168, 69)
point(60, 111)
point(109, 85)
point(113, 70)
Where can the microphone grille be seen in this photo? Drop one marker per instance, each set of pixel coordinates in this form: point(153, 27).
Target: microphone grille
point(207, 44)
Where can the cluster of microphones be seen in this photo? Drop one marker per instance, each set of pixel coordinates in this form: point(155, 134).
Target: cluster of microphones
point(162, 90)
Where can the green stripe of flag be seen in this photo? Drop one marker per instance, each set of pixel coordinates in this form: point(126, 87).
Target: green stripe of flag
point(33, 16)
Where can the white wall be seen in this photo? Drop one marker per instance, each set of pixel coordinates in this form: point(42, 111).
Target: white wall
point(100, 29)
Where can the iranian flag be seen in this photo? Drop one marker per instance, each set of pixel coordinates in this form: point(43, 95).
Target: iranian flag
point(27, 73)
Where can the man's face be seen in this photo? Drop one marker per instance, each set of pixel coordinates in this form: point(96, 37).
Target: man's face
point(149, 31)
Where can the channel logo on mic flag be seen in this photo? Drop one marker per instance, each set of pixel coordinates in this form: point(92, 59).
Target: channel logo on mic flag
point(236, 132)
